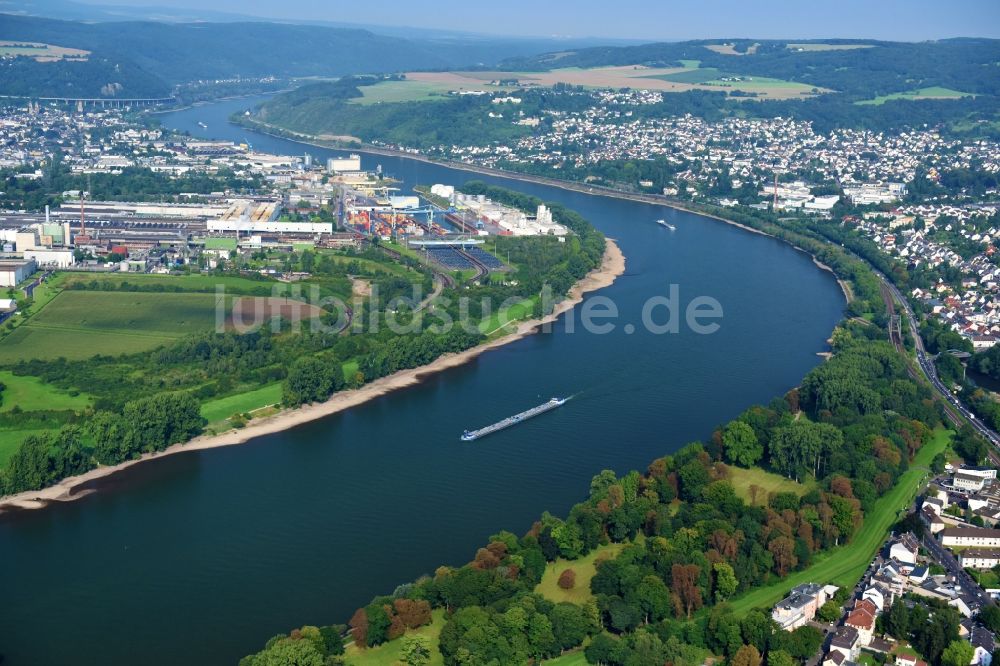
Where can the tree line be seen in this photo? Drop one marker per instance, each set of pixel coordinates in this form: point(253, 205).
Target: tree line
point(106, 438)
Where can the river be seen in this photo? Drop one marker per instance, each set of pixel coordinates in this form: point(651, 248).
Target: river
point(201, 557)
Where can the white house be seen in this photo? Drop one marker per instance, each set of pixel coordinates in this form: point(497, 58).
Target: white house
point(968, 482)
point(979, 558)
point(931, 519)
point(800, 605)
point(983, 642)
point(862, 618)
point(982, 472)
point(976, 537)
point(876, 596)
point(904, 551)
point(845, 641)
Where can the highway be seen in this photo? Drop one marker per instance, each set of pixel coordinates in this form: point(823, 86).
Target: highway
point(957, 412)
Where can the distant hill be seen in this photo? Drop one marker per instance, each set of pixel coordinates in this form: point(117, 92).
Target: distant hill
point(145, 58)
point(879, 86)
point(858, 68)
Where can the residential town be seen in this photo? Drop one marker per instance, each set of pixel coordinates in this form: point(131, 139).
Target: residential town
point(953, 565)
point(870, 167)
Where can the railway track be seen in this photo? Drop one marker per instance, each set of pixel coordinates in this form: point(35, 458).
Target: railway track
point(954, 410)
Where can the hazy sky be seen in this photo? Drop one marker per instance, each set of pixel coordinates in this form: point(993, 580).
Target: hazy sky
point(643, 19)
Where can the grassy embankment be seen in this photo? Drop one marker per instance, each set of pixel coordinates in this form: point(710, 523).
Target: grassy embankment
point(843, 566)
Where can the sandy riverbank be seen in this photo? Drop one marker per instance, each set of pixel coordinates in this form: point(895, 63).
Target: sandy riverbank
point(71, 488)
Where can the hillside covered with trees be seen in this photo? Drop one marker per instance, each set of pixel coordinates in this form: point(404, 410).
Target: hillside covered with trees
point(147, 58)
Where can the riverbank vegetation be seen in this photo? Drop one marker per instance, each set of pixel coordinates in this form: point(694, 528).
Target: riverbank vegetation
point(109, 402)
point(691, 559)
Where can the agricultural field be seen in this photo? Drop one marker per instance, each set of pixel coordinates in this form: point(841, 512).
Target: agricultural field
point(712, 77)
point(389, 654)
point(933, 92)
point(585, 568)
point(730, 49)
point(664, 79)
point(405, 91)
point(40, 52)
point(81, 324)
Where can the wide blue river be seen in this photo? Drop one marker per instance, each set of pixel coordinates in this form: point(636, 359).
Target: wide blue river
point(201, 557)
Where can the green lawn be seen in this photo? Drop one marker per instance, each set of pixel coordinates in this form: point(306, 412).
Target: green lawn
point(11, 440)
point(32, 394)
point(933, 92)
point(585, 568)
point(81, 324)
point(499, 321)
point(370, 267)
point(568, 659)
point(742, 479)
point(350, 368)
point(987, 579)
point(843, 566)
point(222, 408)
point(388, 654)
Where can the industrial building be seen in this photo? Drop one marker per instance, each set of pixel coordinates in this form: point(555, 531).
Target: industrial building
point(344, 164)
point(51, 258)
point(13, 272)
point(249, 226)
